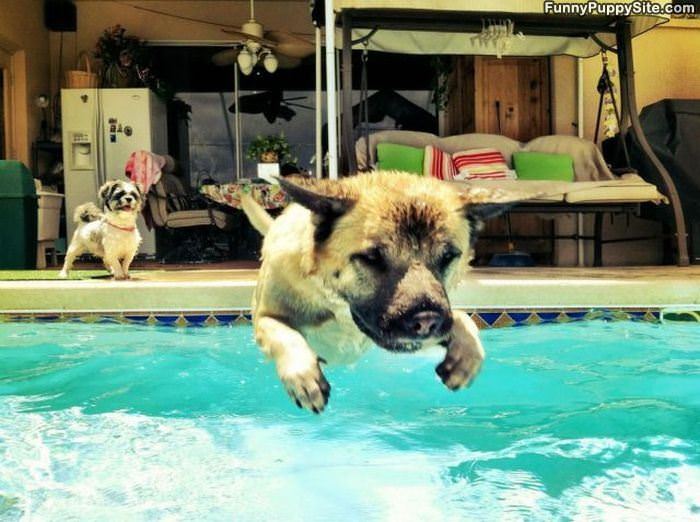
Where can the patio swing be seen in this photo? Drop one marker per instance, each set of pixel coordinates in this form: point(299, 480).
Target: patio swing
point(447, 27)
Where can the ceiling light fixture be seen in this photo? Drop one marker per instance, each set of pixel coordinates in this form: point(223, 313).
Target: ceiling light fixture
point(252, 53)
point(254, 50)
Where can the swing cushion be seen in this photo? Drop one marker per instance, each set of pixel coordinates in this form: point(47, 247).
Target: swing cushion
point(438, 164)
point(487, 163)
point(542, 166)
point(392, 156)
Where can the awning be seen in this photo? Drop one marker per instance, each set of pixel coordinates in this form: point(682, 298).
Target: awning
point(454, 26)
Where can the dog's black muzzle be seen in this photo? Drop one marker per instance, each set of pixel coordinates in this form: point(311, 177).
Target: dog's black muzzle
point(409, 331)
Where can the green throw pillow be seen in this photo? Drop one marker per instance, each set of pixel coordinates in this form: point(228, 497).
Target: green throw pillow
point(538, 165)
point(391, 156)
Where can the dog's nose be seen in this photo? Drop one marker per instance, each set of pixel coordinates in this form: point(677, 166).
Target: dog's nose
point(128, 199)
point(423, 324)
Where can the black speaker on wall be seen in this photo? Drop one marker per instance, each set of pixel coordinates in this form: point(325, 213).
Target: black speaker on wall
point(60, 15)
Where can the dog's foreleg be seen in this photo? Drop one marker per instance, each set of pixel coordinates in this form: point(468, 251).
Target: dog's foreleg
point(298, 366)
point(114, 266)
point(464, 353)
point(73, 251)
point(126, 263)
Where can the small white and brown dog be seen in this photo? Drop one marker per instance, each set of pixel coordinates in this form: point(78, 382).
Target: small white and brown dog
point(110, 233)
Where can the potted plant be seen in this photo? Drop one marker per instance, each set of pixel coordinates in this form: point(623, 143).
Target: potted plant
point(270, 151)
point(123, 58)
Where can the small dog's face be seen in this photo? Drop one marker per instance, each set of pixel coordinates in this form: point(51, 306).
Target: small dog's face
point(391, 244)
point(121, 196)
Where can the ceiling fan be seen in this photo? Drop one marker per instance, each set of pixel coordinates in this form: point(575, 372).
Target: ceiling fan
point(272, 49)
point(271, 104)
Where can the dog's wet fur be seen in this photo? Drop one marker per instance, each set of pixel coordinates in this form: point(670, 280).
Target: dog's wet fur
point(368, 259)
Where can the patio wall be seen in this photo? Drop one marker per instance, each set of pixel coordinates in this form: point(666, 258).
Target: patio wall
point(94, 16)
point(665, 64)
point(22, 33)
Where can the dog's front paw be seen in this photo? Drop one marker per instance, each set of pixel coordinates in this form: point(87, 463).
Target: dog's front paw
point(63, 274)
point(460, 366)
point(305, 383)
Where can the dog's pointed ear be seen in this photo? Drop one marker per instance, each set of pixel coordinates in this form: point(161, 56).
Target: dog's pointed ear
point(316, 199)
point(326, 204)
point(484, 203)
point(106, 191)
point(480, 204)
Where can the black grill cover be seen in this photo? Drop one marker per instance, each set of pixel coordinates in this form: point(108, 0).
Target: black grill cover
point(673, 130)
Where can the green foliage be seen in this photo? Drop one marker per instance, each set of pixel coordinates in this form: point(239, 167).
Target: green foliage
point(271, 143)
point(442, 67)
point(126, 62)
point(114, 47)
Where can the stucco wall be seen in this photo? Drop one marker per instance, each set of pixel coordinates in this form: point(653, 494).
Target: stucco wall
point(96, 15)
point(22, 33)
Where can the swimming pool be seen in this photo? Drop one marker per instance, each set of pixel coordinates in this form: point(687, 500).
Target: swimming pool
point(595, 419)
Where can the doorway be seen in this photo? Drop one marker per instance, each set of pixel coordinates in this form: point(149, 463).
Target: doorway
point(511, 97)
point(6, 142)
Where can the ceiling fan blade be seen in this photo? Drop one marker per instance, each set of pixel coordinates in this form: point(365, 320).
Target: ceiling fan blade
point(243, 36)
point(226, 57)
point(285, 113)
point(287, 62)
point(290, 44)
point(301, 106)
point(287, 36)
point(258, 103)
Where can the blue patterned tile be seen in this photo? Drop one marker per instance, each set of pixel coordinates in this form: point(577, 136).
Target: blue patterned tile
point(166, 319)
point(136, 318)
point(226, 318)
point(196, 319)
point(548, 317)
point(519, 317)
point(489, 317)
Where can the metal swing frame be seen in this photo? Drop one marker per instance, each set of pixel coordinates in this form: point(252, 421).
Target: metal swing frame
point(530, 24)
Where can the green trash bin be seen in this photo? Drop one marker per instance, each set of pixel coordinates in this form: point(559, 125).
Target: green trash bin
point(18, 216)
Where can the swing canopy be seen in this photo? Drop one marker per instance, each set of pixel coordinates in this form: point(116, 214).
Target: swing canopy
point(577, 28)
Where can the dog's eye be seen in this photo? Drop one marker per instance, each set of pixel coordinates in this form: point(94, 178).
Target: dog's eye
point(448, 256)
point(372, 258)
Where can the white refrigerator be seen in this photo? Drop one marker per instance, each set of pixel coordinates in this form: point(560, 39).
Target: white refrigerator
point(101, 128)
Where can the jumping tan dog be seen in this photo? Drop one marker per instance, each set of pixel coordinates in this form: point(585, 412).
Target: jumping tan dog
point(367, 259)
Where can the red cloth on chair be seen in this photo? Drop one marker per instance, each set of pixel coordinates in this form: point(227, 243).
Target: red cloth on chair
point(144, 168)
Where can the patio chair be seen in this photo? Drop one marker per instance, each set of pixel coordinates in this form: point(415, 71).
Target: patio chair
point(190, 222)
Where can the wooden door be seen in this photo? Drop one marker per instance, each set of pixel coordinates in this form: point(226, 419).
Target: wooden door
point(5, 105)
point(512, 97)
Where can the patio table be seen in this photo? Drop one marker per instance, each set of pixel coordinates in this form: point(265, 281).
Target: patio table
point(266, 195)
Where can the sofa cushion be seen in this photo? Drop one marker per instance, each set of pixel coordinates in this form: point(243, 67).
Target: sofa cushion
point(541, 166)
point(438, 163)
point(485, 163)
point(449, 144)
point(393, 156)
point(589, 164)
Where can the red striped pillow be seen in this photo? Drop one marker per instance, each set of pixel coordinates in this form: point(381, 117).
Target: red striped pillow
point(438, 163)
point(480, 164)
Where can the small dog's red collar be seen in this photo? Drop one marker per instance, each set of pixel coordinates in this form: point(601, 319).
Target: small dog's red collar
point(125, 229)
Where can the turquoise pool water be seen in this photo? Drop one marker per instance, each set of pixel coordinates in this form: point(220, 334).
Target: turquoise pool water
point(109, 422)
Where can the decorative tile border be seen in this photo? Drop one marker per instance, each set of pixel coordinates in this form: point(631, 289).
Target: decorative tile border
point(487, 318)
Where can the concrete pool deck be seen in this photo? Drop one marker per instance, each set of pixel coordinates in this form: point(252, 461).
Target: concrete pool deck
point(210, 290)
